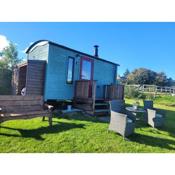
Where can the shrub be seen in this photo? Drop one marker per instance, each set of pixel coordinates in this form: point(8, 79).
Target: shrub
point(149, 96)
point(132, 92)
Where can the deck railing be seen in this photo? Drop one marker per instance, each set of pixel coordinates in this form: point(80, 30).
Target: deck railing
point(114, 92)
point(85, 89)
point(85, 94)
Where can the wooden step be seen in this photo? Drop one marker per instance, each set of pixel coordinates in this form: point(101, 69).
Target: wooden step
point(101, 112)
point(99, 100)
point(101, 104)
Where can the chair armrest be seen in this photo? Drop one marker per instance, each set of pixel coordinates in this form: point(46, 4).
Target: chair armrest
point(130, 115)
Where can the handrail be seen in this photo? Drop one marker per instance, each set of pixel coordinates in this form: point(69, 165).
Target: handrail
point(85, 89)
point(114, 92)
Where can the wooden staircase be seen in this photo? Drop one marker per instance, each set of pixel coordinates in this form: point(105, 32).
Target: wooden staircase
point(85, 97)
point(101, 108)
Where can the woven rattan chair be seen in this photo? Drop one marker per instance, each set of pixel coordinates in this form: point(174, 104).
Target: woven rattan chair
point(120, 122)
point(148, 104)
point(155, 120)
point(119, 106)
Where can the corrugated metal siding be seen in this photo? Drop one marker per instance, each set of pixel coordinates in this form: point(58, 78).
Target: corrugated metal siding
point(56, 74)
point(39, 53)
point(104, 74)
point(56, 86)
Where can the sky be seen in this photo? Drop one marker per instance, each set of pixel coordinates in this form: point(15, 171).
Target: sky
point(132, 45)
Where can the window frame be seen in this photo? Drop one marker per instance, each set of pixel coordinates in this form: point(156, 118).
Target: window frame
point(73, 62)
point(92, 67)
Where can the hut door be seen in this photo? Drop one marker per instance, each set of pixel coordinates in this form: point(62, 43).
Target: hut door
point(86, 71)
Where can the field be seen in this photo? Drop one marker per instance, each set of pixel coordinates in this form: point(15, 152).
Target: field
point(80, 134)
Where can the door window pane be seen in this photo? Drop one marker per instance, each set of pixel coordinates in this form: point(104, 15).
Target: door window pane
point(86, 70)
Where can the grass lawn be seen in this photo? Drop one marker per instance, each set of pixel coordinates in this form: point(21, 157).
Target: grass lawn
point(82, 134)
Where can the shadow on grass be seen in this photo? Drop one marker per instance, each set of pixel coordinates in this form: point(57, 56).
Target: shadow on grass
point(36, 133)
point(168, 125)
point(153, 141)
point(79, 116)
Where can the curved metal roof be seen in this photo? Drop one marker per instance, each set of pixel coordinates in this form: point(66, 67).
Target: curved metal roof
point(58, 45)
point(34, 44)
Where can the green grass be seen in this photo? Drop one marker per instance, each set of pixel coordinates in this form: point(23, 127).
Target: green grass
point(84, 134)
point(166, 100)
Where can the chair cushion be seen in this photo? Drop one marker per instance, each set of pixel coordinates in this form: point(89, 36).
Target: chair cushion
point(159, 115)
point(129, 120)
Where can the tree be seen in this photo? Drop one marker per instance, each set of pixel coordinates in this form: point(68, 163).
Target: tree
point(3, 64)
point(126, 73)
point(161, 79)
point(124, 77)
point(147, 76)
point(10, 55)
point(141, 76)
point(5, 78)
point(170, 82)
point(8, 61)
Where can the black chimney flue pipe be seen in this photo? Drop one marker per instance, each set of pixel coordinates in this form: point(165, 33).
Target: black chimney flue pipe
point(96, 50)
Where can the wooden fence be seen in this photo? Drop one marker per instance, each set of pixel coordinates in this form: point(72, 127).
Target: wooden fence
point(154, 88)
point(20, 103)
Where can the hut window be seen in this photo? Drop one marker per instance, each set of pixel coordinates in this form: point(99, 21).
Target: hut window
point(70, 70)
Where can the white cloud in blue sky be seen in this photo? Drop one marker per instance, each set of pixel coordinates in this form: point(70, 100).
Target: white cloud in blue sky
point(4, 42)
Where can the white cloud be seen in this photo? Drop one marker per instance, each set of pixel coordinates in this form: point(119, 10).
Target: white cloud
point(4, 42)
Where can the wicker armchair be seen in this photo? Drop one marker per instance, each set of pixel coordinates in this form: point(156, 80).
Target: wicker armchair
point(154, 119)
point(120, 122)
point(119, 106)
point(148, 104)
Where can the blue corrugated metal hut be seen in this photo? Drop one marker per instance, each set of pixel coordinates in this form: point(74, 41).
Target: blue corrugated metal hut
point(61, 73)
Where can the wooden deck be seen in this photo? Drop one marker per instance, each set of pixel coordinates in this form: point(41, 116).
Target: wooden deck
point(85, 97)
